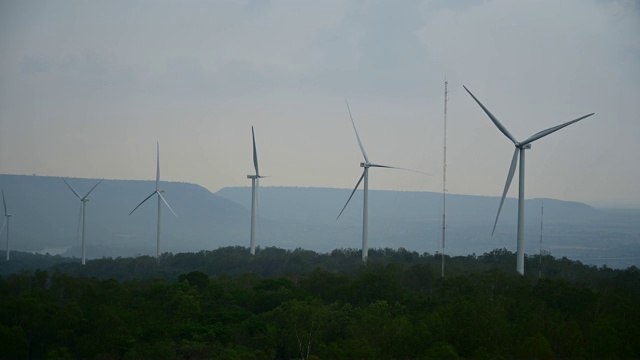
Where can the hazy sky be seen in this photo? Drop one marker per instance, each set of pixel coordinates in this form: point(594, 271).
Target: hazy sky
point(87, 87)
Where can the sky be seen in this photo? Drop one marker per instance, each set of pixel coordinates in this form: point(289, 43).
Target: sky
point(88, 87)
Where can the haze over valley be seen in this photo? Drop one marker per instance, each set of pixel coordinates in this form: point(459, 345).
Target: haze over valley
point(46, 213)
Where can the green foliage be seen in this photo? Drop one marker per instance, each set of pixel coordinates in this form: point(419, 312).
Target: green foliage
point(535, 347)
point(195, 278)
point(442, 351)
point(299, 304)
point(13, 342)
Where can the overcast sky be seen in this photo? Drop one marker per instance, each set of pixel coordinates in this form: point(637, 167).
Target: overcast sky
point(88, 87)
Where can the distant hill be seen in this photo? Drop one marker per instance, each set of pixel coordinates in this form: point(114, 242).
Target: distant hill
point(322, 205)
point(46, 220)
point(45, 216)
point(414, 220)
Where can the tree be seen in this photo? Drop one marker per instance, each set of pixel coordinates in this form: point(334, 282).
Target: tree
point(303, 322)
point(536, 347)
point(195, 278)
point(13, 342)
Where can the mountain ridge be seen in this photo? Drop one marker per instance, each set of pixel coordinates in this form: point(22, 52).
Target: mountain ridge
point(46, 216)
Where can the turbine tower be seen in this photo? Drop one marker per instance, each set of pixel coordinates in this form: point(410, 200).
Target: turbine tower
point(365, 175)
point(521, 146)
point(7, 217)
point(83, 205)
point(160, 199)
point(255, 185)
point(540, 256)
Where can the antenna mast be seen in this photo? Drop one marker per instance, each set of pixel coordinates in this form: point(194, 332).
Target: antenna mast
point(444, 172)
point(540, 264)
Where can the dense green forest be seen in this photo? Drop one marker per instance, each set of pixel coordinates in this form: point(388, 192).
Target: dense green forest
point(223, 304)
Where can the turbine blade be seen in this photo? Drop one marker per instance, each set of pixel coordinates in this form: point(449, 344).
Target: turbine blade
point(158, 165)
point(94, 186)
point(78, 226)
point(512, 170)
point(4, 202)
point(65, 181)
point(255, 153)
point(357, 136)
point(143, 201)
point(166, 203)
point(493, 118)
point(548, 131)
point(398, 168)
point(3, 224)
point(350, 196)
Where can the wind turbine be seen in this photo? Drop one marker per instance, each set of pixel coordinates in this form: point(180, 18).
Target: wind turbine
point(521, 146)
point(7, 216)
point(365, 175)
point(160, 198)
point(255, 185)
point(83, 202)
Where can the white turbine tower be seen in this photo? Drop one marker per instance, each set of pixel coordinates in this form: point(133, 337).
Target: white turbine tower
point(365, 175)
point(521, 146)
point(83, 205)
point(160, 198)
point(255, 186)
point(7, 216)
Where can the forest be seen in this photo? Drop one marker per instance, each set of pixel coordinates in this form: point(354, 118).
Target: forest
point(292, 304)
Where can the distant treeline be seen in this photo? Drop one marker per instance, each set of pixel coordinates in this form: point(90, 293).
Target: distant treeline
point(275, 262)
point(223, 304)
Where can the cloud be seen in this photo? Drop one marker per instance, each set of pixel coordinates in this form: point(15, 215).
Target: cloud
point(129, 72)
point(32, 65)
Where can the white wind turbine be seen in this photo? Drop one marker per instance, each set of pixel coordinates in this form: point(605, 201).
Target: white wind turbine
point(521, 146)
point(83, 205)
point(365, 175)
point(255, 185)
point(160, 198)
point(7, 216)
